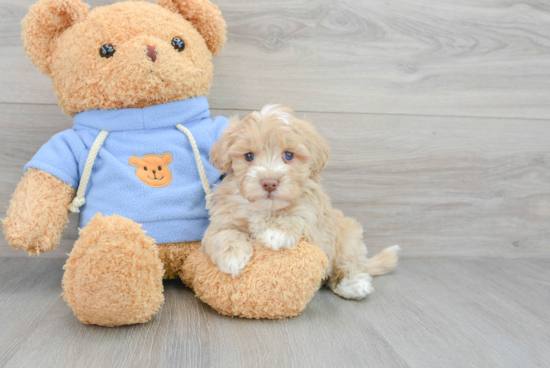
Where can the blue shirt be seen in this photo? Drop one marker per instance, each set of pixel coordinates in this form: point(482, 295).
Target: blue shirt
point(174, 212)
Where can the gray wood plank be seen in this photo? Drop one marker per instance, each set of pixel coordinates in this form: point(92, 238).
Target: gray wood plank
point(428, 313)
point(438, 186)
point(174, 333)
point(455, 313)
point(427, 57)
point(442, 186)
point(29, 288)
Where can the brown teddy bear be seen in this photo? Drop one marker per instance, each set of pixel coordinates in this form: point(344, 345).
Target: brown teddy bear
point(134, 76)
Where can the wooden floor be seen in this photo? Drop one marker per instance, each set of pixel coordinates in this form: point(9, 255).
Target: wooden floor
point(430, 313)
point(438, 114)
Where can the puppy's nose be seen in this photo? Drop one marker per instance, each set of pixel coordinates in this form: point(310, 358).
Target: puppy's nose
point(152, 53)
point(269, 185)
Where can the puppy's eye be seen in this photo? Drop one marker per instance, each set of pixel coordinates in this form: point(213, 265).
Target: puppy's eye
point(289, 156)
point(106, 51)
point(145, 168)
point(249, 156)
point(178, 43)
point(160, 168)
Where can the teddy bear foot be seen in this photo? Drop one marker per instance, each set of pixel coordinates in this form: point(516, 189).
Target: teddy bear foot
point(274, 284)
point(113, 276)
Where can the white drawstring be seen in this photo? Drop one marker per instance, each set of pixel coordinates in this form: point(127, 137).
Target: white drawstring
point(79, 200)
point(202, 174)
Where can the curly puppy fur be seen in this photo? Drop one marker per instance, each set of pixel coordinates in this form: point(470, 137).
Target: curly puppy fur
point(276, 199)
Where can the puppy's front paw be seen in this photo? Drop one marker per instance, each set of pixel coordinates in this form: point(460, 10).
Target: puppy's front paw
point(233, 260)
point(277, 240)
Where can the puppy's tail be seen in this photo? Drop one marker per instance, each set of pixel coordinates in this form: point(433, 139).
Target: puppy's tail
point(383, 262)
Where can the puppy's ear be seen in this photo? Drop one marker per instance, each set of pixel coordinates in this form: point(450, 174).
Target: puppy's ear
point(317, 146)
point(219, 154)
point(45, 22)
point(205, 16)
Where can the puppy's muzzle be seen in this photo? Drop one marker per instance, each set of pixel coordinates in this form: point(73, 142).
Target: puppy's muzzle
point(269, 185)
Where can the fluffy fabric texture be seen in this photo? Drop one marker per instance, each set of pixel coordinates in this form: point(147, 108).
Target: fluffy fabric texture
point(274, 284)
point(63, 40)
point(45, 21)
point(171, 213)
point(174, 255)
point(127, 288)
point(113, 275)
point(205, 16)
point(38, 212)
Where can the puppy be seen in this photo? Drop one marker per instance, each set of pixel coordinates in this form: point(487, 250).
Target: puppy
point(272, 195)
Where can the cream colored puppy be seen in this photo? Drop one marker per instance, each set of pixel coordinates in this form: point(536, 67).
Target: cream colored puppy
point(272, 195)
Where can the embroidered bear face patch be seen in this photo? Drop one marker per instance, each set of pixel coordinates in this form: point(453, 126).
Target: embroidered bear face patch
point(153, 169)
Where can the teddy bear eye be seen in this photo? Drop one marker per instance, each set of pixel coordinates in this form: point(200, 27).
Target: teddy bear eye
point(289, 156)
point(160, 168)
point(107, 51)
point(249, 156)
point(178, 43)
point(145, 168)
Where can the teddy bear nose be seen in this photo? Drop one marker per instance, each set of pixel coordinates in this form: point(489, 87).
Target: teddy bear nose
point(269, 185)
point(152, 53)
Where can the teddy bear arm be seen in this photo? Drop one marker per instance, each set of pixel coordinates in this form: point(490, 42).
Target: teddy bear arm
point(38, 212)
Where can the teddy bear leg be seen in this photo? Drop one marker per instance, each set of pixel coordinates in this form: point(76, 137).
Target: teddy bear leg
point(274, 284)
point(113, 276)
point(174, 255)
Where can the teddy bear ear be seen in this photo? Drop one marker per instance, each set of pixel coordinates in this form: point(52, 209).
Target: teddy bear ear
point(44, 23)
point(205, 16)
point(134, 161)
point(166, 158)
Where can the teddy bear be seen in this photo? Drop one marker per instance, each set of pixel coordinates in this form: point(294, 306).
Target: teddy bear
point(134, 77)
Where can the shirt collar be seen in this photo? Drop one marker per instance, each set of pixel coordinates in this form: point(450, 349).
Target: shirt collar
point(151, 117)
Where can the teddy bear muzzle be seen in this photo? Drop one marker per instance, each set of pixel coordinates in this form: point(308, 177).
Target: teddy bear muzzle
point(152, 53)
